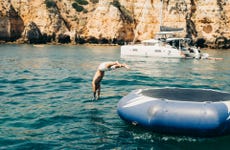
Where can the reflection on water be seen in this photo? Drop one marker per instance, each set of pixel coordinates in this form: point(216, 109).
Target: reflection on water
point(195, 72)
point(46, 97)
point(151, 66)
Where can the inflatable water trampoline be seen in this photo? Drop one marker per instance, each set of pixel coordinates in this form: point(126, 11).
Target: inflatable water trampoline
point(192, 112)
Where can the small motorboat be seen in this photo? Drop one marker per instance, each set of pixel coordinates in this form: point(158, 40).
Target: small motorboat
point(178, 111)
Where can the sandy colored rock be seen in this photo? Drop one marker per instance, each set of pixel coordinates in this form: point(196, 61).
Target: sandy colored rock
point(115, 19)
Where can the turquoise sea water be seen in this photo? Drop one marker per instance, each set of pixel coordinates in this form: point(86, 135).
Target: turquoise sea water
point(45, 97)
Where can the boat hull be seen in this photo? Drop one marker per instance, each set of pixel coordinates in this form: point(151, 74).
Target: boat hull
point(205, 113)
point(150, 51)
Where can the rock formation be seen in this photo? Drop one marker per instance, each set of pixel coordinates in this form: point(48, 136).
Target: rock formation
point(113, 21)
point(11, 24)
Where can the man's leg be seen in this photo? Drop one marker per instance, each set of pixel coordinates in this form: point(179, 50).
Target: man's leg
point(98, 91)
point(94, 90)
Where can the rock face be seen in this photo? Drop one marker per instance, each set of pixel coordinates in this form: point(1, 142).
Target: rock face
point(113, 21)
point(11, 24)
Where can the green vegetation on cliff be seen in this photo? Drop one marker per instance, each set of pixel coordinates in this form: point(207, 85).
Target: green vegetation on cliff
point(125, 14)
point(50, 3)
point(77, 5)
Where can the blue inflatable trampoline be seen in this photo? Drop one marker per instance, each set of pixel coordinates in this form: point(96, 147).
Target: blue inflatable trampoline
point(193, 112)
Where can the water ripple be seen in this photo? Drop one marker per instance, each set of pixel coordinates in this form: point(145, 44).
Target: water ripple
point(46, 97)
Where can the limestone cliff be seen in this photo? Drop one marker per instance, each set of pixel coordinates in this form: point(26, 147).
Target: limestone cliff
point(11, 24)
point(113, 21)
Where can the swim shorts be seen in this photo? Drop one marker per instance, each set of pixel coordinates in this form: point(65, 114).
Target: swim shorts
point(102, 67)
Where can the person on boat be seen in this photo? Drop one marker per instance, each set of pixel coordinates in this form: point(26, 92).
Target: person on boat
point(206, 56)
point(105, 66)
point(214, 58)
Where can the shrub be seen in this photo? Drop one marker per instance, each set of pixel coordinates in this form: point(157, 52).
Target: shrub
point(116, 3)
point(50, 3)
point(94, 1)
point(77, 7)
point(82, 2)
point(125, 14)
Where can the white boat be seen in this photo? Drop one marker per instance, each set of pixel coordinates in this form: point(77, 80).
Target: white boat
point(163, 46)
point(157, 48)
